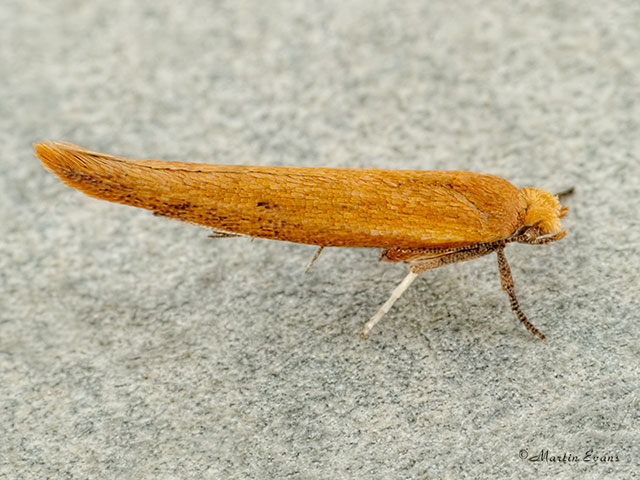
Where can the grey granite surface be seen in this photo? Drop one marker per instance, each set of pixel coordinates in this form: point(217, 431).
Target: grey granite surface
point(132, 346)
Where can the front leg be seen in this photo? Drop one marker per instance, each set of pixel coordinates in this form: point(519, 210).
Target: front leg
point(507, 285)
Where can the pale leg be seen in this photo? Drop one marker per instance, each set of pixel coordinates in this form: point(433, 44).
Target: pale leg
point(389, 303)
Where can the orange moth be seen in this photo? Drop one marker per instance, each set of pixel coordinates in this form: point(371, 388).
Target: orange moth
point(426, 219)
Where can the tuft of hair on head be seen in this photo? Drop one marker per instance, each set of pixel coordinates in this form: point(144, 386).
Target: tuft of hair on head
point(543, 209)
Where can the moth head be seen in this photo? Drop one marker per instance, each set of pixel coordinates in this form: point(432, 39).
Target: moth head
point(543, 210)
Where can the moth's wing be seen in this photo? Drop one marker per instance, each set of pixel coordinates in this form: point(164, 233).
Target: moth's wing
point(392, 208)
point(318, 206)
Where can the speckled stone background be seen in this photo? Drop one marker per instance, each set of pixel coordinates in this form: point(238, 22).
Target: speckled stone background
point(132, 346)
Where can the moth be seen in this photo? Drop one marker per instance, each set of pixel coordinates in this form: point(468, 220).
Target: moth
point(426, 219)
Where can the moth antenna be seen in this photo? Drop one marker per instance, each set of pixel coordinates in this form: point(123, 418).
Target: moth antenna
point(313, 260)
point(399, 290)
point(565, 193)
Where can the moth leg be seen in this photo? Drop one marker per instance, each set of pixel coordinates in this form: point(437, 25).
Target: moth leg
point(429, 263)
point(399, 290)
point(429, 258)
point(531, 236)
point(432, 259)
point(409, 255)
point(421, 261)
point(222, 234)
point(313, 260)
point(507, 285)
